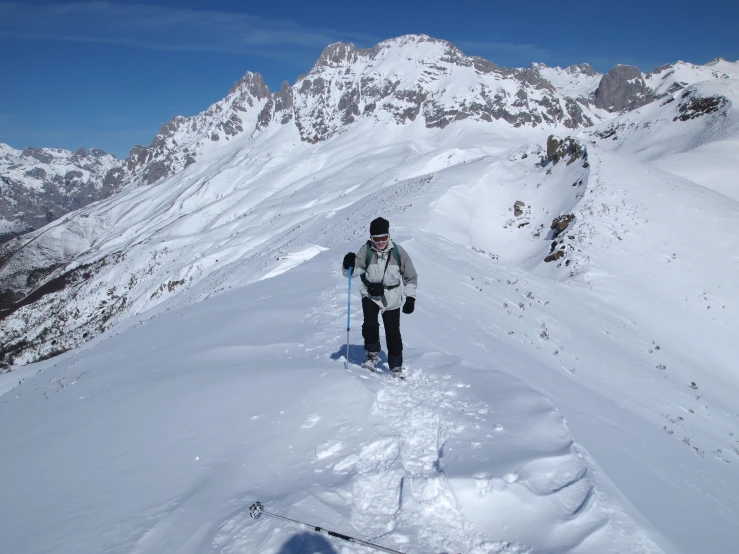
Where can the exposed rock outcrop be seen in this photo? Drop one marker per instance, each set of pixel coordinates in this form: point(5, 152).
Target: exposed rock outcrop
point(692, 106)
point(560, 223)
point(557, 150)
point(621, 89)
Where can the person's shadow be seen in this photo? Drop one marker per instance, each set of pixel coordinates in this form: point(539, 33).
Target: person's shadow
point(307, 543)
point(357, 354)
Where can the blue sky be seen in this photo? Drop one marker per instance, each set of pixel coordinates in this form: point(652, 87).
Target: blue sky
point(107, 74)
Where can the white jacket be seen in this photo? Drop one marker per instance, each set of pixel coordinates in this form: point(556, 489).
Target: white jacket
point(394, 276)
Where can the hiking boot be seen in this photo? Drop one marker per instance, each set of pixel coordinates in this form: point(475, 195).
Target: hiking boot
point(398, 373)
point(370, 362)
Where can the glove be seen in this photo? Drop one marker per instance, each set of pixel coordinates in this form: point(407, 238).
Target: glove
point(409, 306)
point(349, 260)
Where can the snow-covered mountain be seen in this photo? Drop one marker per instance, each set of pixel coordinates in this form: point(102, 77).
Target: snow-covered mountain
point(392, 92)
point(404, 79)
point(38, 185)
point(572, 376)
point(410, 79)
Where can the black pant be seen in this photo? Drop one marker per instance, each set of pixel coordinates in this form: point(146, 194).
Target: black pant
point(371, 332)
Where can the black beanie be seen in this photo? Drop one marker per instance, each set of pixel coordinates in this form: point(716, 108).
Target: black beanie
point(380, 226)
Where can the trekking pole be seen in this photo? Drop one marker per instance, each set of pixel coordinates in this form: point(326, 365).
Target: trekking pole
point(348, 317)
point(257, 510)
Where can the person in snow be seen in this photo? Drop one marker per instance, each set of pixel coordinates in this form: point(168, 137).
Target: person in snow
point(387, 275)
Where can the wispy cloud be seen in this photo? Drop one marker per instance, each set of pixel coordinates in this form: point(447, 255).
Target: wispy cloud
point(505, 53)
point(164, 28)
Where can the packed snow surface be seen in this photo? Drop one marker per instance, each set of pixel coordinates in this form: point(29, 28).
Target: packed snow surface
point(583, 405)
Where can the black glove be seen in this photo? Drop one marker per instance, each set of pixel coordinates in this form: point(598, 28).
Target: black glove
point(409, 306)
point(349, 260)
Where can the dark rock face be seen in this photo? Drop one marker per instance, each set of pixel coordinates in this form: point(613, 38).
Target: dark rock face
point(621, 89)
point(691, 107)
point(559, 224)
point(559, 254)
point(112, 181)
point(336, 54)
point(155, 171)
point(36, 173)
point(38, 154)
point(283, 102)
point(559, 149)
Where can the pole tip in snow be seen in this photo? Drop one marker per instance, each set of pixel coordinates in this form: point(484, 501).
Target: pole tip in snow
point(256, 510)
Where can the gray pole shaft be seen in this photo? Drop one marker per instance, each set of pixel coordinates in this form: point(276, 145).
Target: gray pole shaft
point(334, 534)
point(348, 317)
point(347, 349)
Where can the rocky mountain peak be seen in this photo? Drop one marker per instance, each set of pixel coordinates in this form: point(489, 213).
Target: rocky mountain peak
point(337, 54)
point(251, 84)
point(91, 156)
point(40, 154)
point(661, 69)
point(581, 69)
point(621, 89)
point(180, 140)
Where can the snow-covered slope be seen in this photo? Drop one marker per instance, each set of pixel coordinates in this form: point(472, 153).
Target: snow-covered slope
point(692, 133)
point(575, 81)
point(39, 185)
point(572, 376)
point(202, 419)
point(667, 79)
point(578, 413)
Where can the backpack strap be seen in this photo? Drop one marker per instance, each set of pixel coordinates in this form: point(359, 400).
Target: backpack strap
point(368, 255)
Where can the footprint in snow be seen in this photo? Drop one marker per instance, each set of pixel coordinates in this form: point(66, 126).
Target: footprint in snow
point(310, 421)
